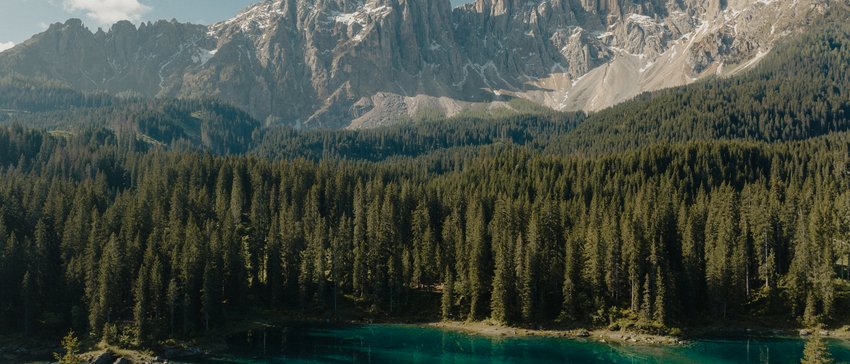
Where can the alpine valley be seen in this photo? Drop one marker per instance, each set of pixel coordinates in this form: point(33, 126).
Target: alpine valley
point(403, 181)
point(366, 63)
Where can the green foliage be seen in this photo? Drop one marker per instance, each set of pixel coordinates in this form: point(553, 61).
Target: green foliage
point(71, 348)
point(414, 139)
point(447, 300)
point(516, 219)
point(179, 124)
point(176, 240)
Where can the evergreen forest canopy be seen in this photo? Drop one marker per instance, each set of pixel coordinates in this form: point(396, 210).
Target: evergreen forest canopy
point(140, 220)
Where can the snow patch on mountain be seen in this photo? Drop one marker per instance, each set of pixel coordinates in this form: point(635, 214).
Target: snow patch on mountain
point(362, 15)
point(360, 63)
point(203, 56)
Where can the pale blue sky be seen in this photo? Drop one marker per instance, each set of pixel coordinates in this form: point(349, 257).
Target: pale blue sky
point(20, 19)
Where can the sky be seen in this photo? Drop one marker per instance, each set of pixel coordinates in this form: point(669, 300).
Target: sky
point(20, 19)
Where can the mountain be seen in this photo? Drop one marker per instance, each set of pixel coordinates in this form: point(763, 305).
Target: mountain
point(363, 63)
point(122, 214)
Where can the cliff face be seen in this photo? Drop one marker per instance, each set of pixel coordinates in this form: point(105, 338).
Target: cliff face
point(360, 63)
point(126, 58)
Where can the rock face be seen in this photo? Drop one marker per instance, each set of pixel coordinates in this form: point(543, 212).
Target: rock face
point(144, 60)
point(361, 63)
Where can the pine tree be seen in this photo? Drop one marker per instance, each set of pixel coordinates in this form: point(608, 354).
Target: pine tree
point(92, 258)
point(237, 196)
point(375, 255)
point(594, 254)
point(477, 240)
point(191, 271)
point(528, 289)
point(500, 298)
point(423, 246)
point(530, 270)
point(454, 242)
point(141, 307)
point(693, 257)
point(810, 313)
point(660, 312)
point(222, 191)
point(340, 253)
point(71, 346)
point(447, 300)
point(634, 256)
point(572, 276)
point(208, 294)
point(613, 256)
point(318, 250)
point(291, 240)
point(503, 278)
point(174, 295)
point(156, 287)
point(646, 308)
point(722, 235)
point(108, 298)
point(359, 275)
point(273, 269)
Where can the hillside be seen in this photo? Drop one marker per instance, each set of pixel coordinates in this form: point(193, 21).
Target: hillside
point(202, 124)
point(797, 92)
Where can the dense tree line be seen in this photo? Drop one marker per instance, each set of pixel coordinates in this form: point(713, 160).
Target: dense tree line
point(414, 139)
point(41, 95)
point(178, 123)
point(159, 218)
point(95, 235)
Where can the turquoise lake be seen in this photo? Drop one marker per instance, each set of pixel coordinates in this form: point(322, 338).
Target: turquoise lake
point(412, 344)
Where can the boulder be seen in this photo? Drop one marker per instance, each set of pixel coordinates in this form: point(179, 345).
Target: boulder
point(106, 357)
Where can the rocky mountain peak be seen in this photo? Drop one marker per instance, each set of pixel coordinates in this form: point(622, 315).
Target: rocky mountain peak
point(360, 63)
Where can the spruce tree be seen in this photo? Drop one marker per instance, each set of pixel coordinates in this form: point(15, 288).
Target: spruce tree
point(447, 300)
point(477, 241)
point(71, 347)
point(141, 305)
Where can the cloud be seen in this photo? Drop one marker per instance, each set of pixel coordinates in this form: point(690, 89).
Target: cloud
point(6, 45)
point(108, 11)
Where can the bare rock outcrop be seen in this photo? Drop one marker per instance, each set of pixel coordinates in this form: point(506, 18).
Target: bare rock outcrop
point(362, 63)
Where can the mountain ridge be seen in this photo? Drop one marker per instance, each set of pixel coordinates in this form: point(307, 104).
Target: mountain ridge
point(365, 63)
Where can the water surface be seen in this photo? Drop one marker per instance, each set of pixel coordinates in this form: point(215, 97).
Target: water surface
point(412, 344)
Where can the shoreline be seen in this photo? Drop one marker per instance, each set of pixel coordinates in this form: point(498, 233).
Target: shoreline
point(213, 342)
point(483, 328)
point(607, 336)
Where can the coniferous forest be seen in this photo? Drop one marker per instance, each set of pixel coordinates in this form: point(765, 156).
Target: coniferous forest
point(150, 219)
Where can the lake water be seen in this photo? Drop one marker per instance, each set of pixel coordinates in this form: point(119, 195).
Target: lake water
point(412, 344)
